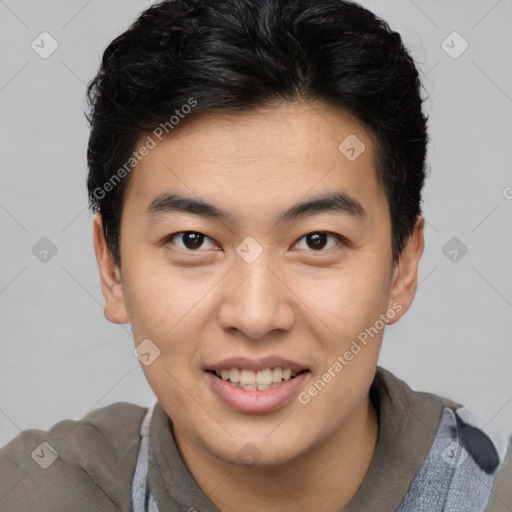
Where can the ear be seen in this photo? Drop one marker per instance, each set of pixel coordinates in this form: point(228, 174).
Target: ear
point(110, 276)
point(405, 273)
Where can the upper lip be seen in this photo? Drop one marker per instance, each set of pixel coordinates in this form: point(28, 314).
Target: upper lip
point(256, 364)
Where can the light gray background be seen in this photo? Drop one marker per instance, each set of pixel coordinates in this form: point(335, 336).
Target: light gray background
point(60, 358)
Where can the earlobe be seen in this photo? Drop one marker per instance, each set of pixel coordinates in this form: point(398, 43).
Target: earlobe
point(110, 276)
point(405, 273)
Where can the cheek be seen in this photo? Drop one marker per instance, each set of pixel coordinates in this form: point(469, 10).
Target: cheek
point(348, 300)
point(170, 307)
point(160, 299)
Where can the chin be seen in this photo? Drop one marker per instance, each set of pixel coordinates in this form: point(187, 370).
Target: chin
point(258, 452)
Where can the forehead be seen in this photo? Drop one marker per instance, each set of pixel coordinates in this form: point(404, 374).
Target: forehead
point(256, 159)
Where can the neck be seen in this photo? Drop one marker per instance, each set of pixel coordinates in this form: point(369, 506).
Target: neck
point(326, 477)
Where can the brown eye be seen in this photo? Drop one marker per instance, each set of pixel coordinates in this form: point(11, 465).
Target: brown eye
point(190, 240)
point(318, 240)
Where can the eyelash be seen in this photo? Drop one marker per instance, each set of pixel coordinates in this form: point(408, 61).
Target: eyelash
point(339, 238)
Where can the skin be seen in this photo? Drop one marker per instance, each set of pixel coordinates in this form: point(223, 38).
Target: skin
point(294, 301)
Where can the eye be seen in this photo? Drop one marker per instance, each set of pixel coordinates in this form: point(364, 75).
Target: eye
point(318, 240)
point(190, 240)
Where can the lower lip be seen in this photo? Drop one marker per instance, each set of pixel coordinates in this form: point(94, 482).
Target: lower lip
point(255, 402)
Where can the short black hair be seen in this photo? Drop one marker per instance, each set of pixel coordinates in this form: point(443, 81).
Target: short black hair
point(182, 58)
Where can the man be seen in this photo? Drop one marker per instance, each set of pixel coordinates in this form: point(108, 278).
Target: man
point(256, 170)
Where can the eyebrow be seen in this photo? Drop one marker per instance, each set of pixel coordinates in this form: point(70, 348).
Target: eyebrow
point(337, 202)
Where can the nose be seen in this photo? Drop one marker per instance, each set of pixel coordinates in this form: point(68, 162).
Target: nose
point(256, 300)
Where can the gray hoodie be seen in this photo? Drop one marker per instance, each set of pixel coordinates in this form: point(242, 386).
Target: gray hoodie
point(432, 455)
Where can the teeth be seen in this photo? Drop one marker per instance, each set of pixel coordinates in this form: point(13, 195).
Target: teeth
point(247, 377)
point(234, 375)
point(277, 374)
point(264, 377)
point(251, 380)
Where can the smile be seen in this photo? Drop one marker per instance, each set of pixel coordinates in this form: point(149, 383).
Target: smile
point(256, 387)
point(256, 380)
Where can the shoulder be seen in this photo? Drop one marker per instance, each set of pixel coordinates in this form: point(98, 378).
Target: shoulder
point(75, 465)
point(467, 468)
point(501, 496)
point(469, 462)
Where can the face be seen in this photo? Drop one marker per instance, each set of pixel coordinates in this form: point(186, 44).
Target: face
point(255, 248)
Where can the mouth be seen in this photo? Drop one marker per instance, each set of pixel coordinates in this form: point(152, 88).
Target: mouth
point(261, 380)
point(253, 386)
